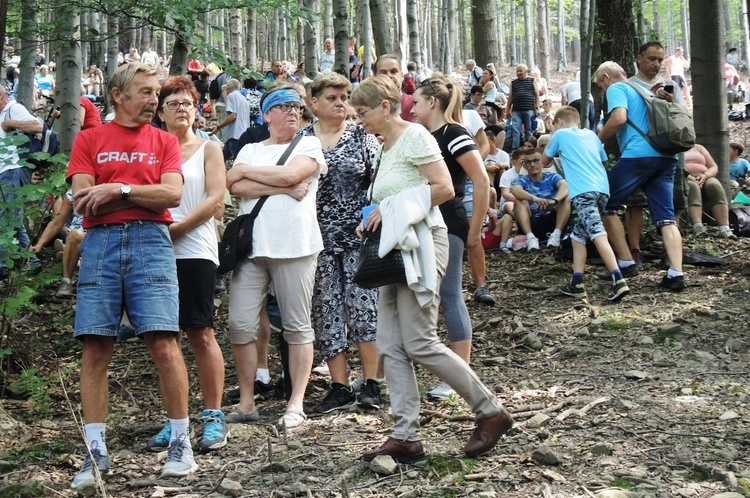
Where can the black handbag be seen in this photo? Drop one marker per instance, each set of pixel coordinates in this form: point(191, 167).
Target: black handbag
point(237, 242)
point(372, 270)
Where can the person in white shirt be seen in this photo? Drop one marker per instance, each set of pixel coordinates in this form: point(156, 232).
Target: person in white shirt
point(149, 57)
point(237, 118)
point(675, 68)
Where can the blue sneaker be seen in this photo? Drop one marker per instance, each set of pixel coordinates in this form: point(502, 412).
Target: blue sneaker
point(215, 431)
point(160, 442)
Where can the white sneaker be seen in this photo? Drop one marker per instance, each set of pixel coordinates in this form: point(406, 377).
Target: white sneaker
point(442, 391)
point(86, 476)
point(180, 461)
point(553, 241)
point(322, 369)
point(532, 243)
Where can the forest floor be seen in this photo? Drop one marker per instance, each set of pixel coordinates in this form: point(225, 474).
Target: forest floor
point(643, 398)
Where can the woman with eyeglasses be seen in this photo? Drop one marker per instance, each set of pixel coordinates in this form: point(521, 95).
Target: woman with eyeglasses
point(196, 248)
point(339, 305)
point(410, 181)
point(437, 106)
point(286, 243)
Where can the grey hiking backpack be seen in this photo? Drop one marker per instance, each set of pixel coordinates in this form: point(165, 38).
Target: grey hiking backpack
point(670, 125)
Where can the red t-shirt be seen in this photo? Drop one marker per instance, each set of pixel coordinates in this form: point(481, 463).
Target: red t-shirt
point(91, 118)
point(113, 153)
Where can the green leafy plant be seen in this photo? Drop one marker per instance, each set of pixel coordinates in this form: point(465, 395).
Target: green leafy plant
point(38, 389)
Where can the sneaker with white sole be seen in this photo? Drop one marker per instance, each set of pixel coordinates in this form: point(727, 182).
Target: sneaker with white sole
point(532, 243)
point(86, 476)
point(357, 383)
point(553, 240)
point(215, 431)
point(442, 391)
point(180, 461)
point(369, 397)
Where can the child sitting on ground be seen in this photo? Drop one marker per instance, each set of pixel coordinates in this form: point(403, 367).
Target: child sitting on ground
point(583, 159)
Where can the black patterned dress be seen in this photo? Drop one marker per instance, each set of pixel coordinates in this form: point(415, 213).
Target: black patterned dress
point(337, 303)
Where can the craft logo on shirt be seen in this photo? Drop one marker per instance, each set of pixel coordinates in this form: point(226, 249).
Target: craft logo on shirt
point(127, 157)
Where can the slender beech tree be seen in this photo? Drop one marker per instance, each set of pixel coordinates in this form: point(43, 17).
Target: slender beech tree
point(541, 28)
point(381, 27)
point(311, 41)
point(68, 85)
point(412, 18)
point(529, 34)
point(341, 40)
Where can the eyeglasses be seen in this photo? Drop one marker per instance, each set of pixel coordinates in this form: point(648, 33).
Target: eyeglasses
point(361, 115)
point(287, 108)
point(174, 105)
point(526, 162)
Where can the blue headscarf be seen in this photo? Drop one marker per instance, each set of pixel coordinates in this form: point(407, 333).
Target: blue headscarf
point(277, 97)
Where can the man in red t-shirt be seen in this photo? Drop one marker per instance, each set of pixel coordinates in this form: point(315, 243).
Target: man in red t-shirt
point(125, 175)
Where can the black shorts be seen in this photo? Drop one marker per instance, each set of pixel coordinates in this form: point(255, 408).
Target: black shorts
point(196, 278)
point(679, 80)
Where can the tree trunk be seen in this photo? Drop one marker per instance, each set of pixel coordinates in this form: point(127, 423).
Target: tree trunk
point(501, 59)
point(656, 33)
point(328, 19)
point(513, 35)
point(25, 92)
point(484, 26)
point(746, 30)
point(412, 19)
point(112, 46)
point(178, 66)
point(96, 41)
point(4, 28)
point(340, 27)
point(587, 42)
point(725, 12)
point(616, 32)
point(529, 33)
point(453, 45)
point(641, 18)
point(311, 43)
point(541, 20)
point(86, 36)
point(283, 53)
point(235, 36)
point(463, 36)
point(562, 63)
point(709, 90)
point(251, 54)
point(68, 84)
point(366, 39)
point(381, 27)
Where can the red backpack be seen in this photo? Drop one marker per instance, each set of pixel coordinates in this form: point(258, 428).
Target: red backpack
point(410, 84)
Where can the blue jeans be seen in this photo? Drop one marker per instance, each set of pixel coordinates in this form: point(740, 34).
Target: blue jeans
point(654, 175)
point(130, 266)
point(517, 119)
point(10, 182)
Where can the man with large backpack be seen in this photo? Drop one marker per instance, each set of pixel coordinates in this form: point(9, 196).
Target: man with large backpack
point(216, 96)
point(640, 166)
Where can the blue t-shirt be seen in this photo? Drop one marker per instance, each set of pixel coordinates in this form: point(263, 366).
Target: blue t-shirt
point(739, 169)
point(546, 188)
point(632, 144)
point(582, 154)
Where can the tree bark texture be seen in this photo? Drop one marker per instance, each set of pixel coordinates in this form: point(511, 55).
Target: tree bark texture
point(541, 20)
point(484, 26)
point(367, 39)
point(25, 92)
point(311, 43)
point(709, 89)
point(235, 36)
point(412, 18)
point(341, 40)
point(513, 35)
point(616, 33)
point(381, 27)
point(251, 54)
point(562, 63)
point(68, 84)
point(529, 34)
point(178, 66)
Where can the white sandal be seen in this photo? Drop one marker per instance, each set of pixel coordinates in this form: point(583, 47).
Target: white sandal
point(292, 419)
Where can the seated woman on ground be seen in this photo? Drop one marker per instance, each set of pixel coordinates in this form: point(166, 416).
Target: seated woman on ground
point(702, 184)
point(499, 234)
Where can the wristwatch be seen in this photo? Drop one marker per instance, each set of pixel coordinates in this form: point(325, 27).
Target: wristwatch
point(124, 191)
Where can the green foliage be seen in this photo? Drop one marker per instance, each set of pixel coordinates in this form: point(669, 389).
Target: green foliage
point(623, 483)
point(38, 389)
point(39, 452)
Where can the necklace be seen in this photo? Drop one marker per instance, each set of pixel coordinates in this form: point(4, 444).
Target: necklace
point(328, 145)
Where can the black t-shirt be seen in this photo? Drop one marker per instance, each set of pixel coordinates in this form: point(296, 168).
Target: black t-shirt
point(455, 140)
point(253, 135)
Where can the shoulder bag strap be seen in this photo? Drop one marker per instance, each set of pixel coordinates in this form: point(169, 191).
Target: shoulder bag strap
point(282, 160)
point(646, 97)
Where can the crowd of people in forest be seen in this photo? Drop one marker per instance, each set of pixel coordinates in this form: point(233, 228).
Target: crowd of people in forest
point(463, 163)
